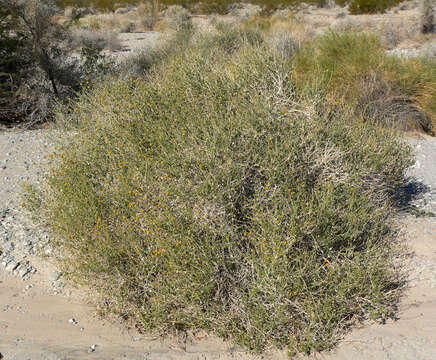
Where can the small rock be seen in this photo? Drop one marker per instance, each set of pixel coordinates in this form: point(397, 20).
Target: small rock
point(81, 329)
point(28, 287)
point(136, 338)
point(12, 266)
point(92, 348)
point(18, 268)
point(24, 271)
point(73, 321)
point(6, 261)
point(54, 276)
point(3, 167)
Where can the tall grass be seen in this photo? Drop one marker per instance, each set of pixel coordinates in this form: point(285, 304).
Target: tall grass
point(353, 71)
point(214, 194)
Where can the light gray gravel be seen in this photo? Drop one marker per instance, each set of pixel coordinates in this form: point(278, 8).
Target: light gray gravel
point(423, 188)
point(23, 154)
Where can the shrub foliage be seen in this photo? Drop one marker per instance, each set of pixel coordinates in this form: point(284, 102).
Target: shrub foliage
point(353, 71)
point(212, 194)
point(12, 60)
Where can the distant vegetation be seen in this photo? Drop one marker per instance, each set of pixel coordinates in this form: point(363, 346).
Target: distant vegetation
point(33, 62)
point(220, 6)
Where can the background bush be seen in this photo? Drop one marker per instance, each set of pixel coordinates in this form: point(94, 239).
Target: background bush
point(215, 194)
point(428, 21)
point(12, 60)
point(371, 6)
point(353, 71)
point(210, 6)
point(37, 65)
point(41, 57)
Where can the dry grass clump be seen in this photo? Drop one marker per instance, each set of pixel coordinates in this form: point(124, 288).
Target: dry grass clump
point(213, 195)
point(353, 70)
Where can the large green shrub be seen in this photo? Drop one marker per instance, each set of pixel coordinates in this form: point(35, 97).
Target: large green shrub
point(212, 195)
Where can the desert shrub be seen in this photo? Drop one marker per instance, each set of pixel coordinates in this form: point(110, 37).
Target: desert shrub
point(177, 18)
point(127, 26)
point(37, 60)
point(149, 12)
point(353, 70)
point(139, 63)
point(371, 6)
point(47, 72)
point(12, 60)
point(93, 23)
point(211, 195)
point(224, 6)
point(284, 44)
point(282, 25)
point(394, 33)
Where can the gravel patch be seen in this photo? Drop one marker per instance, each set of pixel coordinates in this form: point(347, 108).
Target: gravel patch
point(422, 188)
